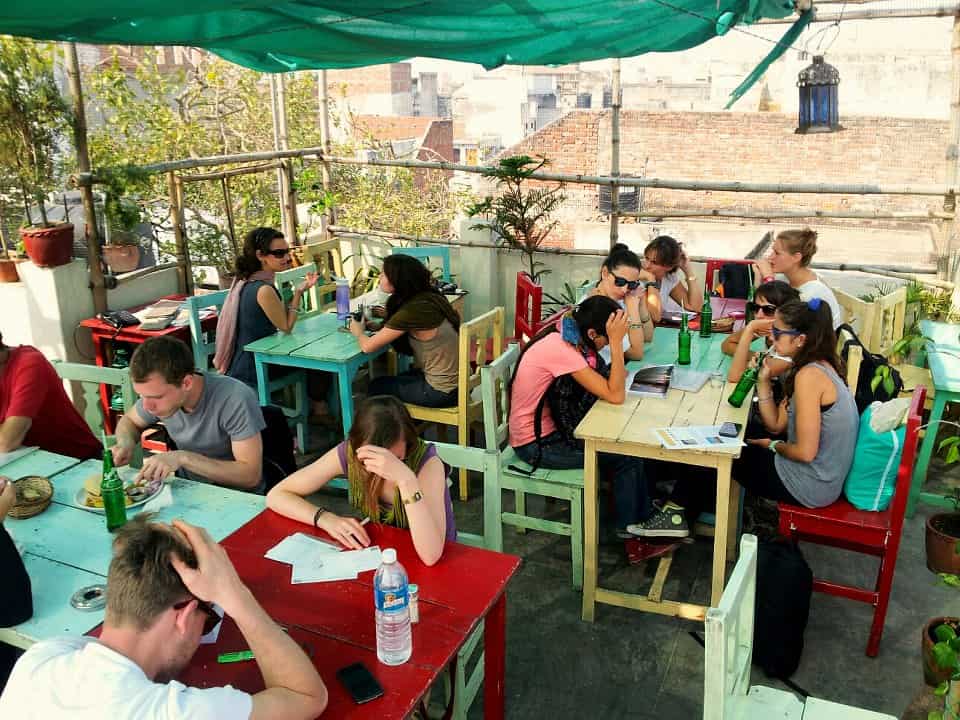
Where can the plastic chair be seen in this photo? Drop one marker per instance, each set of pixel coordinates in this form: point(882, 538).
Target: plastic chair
point(90, 378)
point(202, 350)
point(473, 344)
point(727, 694)
point(873, 533)
point(287, 280)
point(425, 253)
point(561, 484)
point(714, 265)
point(326, 256)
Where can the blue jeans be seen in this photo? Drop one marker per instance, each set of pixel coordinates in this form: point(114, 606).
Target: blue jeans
point(629, 481)
point(412, 387)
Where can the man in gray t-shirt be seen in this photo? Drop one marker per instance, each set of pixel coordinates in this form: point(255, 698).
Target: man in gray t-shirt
point(214, 420)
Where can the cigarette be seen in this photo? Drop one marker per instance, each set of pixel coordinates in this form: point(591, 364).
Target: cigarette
point(364, 521)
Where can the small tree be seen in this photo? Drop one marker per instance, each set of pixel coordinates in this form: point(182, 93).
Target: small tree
point(33, 119)
point(521, 218)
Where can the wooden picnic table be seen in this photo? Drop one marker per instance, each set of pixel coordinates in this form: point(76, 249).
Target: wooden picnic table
point(943, 357)
point(67, 547)
point(627, 429)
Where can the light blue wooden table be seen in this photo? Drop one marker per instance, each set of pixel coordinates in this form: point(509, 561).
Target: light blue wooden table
point(67, 547)
point(37, 462)
point(316, 343)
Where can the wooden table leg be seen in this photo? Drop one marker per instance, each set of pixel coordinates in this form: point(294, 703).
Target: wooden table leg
point(721, 532)
point(926, 450)
point(263, 385)
point(344, 385)
point(590, 522)
point(494, 659)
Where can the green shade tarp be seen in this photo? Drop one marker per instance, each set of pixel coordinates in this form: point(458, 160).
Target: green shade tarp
point(310, 34)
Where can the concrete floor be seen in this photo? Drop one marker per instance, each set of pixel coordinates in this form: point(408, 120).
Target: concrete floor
point(638, 665)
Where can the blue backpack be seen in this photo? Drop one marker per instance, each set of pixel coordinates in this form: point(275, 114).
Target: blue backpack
point(872, 479)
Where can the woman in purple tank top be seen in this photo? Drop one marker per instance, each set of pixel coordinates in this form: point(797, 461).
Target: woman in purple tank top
point(395, 478)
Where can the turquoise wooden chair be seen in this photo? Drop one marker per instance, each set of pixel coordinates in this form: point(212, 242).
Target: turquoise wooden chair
point(202, 350)
point(560, 484)
point(425, 253)
point(468, 674)
point(287, 280)
point(90, 378)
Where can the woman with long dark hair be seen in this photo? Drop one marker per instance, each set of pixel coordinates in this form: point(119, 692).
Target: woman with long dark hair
point(395, 478)
point(622, 280)
point(818, 414)
point(767, 298)
point(253, 308)
point(677, 286)
point(420, 322)
point(568, 352)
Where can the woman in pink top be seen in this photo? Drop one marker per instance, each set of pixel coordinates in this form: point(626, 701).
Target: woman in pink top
point(571, 348)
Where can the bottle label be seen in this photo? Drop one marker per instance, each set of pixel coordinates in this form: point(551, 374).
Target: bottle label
point(391, 600)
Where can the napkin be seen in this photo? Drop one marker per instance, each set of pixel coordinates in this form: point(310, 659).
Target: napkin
point(163, 499)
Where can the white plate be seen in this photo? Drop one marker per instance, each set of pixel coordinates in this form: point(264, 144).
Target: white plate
point(81, 496)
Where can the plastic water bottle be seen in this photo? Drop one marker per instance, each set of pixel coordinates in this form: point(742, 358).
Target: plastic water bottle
point(343, 299)
point(392, 606)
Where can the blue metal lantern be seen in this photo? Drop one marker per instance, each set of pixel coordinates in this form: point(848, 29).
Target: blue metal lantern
point(818, 97)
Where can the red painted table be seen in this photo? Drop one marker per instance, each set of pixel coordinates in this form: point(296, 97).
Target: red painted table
point(104, 334)
point(335, 622)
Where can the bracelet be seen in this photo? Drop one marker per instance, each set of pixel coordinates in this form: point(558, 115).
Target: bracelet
point(761, 399)
point(291, 308)
point(636, 325)
point(768, 278)
point(773, 446)
point(316, 518)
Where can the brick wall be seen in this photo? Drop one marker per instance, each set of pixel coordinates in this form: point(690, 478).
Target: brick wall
point(754, 147)
point(370, 80)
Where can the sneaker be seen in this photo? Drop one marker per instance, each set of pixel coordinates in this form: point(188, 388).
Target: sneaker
point(667, 522)
point(623, 534)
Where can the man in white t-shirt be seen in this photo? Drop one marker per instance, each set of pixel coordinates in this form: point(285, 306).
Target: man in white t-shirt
point(162, 581)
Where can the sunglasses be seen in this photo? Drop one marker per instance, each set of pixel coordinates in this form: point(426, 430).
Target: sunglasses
point(279, 254)
point(211, 619)
point(765, 309)
point(631, 284)
point(777, 332)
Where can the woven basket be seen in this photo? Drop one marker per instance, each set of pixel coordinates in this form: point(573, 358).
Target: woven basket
point(723, 324)
point(34, 494)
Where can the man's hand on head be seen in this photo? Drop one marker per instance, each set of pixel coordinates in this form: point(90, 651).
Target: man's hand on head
point(214, 579)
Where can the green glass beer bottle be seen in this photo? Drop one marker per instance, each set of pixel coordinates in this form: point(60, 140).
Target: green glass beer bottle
point(750, 297)
point(744, 387)
point(112, 493)
point(706, 315)
point(684, 340)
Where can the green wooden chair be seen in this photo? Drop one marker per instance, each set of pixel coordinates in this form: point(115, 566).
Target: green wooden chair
point(287, 280)
point(560, 484)
point(468, 675)
point(90, 378)
point(202, 349)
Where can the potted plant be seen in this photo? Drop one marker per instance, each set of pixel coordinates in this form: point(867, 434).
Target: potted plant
point(933, 674)
point(123, 215)
point(946, 655)
point(33, 119)
point(520, 218)
point(943, 529)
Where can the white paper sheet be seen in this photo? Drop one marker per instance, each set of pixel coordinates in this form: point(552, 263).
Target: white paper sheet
point(211, 637)
point(695, 437)
point(299, 546)
point(328, 567)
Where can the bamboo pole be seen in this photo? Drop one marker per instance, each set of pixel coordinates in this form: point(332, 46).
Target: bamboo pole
point(776, 214)
point(953, 156)
point(175, 189)
point(615, 153)
point(228, 204)
point(942, 10)
point(330, 212)
point(79, 122)
point(197, 177)
point(644, 182)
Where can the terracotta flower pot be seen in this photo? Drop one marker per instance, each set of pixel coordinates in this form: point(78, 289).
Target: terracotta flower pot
point(8, 270)
point(121, 258)
point(49, 246)
point(933, 674)
point(943, 534)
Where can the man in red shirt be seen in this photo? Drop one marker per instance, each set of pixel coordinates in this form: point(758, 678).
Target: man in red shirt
point(35, 409)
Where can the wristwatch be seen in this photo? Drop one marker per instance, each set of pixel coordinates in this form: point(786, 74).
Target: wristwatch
point(415, 498)
point(773, 445)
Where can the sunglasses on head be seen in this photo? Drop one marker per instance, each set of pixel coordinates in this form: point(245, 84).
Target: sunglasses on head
point(279, 254)
point(620, 282)
point(765, 309)
point(777, 332)
point(211, 619)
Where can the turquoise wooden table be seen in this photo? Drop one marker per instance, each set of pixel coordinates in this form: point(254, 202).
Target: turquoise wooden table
point(316, 343)
point(37, 462)
point(67, 547)
point(943, 357)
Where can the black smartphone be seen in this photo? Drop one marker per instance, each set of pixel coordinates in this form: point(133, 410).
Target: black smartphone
point(360, 683)
point(730, 429)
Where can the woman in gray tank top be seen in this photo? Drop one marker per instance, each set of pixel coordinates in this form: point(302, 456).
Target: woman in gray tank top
point(818, 413)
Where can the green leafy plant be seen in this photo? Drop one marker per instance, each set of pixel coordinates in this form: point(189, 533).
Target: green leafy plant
point(520, 218)
point(567, 297)
point(122, 212)
point(882, 376)
point(946, 654)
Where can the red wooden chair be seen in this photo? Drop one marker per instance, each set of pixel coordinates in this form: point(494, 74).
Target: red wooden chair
point(714, 265)
point(528, 307)
point(873, 533)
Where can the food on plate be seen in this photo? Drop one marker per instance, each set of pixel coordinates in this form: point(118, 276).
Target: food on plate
point(135, 492)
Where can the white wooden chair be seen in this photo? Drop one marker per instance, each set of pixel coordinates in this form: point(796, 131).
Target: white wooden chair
point(326, 256)
point(858, 314)
point(727, 694)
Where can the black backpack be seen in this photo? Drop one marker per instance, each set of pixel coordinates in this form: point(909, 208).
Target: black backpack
point(782, 606)
point(278, 458)
point(866, 393)
point(735, 278)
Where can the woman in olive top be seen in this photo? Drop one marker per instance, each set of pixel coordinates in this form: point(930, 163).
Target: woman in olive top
point(420, 322)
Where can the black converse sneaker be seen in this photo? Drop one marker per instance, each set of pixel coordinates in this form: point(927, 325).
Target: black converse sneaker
point(669, 521)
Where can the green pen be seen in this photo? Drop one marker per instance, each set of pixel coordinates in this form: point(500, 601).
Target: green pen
point(232, 657)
